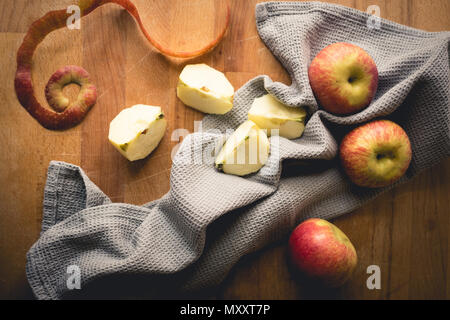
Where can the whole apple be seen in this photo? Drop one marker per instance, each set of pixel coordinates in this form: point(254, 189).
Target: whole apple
point(321, 251)
point(344, 78)
point(376, 154)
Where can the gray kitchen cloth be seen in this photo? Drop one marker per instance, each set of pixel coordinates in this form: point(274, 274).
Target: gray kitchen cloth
point(192, 236)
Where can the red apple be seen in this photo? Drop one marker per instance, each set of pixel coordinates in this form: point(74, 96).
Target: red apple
point(376, 154)
point(344, 78)
point(321, 251)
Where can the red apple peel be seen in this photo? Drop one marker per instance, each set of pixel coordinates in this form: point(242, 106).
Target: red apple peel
point(53, 20)
point(62, 77)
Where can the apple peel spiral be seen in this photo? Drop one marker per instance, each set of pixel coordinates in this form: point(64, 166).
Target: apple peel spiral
point(62, 77)
point(67, 115)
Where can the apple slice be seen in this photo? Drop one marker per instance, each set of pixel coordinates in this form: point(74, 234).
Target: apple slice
point(137, 131)
point(205, 89)
point(269, 113)
point(245, 151)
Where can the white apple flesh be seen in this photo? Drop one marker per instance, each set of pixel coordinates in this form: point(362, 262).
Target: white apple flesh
point(269, 113)
point(205, 89)
point(245, 152)
point(136, 131)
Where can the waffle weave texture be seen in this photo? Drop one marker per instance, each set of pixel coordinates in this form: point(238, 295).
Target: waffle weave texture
point(191, 237)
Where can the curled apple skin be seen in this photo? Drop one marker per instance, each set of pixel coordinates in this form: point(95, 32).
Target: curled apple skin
point(55, 20)
point(23, 83)
point(64, 76)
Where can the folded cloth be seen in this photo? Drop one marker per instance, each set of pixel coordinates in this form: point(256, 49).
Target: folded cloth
point(191, 237)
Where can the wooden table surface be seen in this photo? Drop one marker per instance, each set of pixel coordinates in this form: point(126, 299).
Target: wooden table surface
point(405, 231)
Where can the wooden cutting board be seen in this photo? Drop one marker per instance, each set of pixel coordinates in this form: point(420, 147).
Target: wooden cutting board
point(405, 232)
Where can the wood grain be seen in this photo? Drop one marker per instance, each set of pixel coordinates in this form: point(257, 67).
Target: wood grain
point(405, 232)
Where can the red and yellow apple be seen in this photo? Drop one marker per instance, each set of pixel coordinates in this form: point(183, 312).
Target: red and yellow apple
point(376, 154)
point(322, 252)
point(344, 78)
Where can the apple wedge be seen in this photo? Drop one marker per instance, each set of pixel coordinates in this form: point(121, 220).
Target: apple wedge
point(245, 151)
point(137, 131)
point(269, 113)
point(205, 89)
